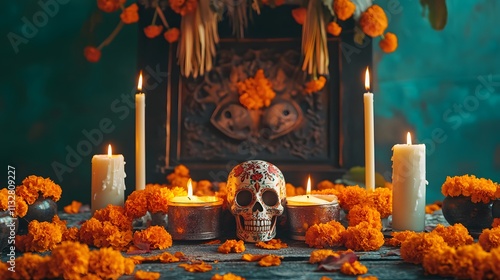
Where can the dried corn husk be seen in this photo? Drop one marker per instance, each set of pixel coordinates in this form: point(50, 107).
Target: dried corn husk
point(199, 35)
point(314, 40)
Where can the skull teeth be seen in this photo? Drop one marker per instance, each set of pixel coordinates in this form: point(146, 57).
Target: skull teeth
point(257, 225)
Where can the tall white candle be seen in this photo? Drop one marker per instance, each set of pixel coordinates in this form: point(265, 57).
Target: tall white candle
point(369, 136)
point(108, 180)
point(140, 137)
point(409, 184)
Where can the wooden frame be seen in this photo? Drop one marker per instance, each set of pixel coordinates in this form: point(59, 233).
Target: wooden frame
point(346, 138)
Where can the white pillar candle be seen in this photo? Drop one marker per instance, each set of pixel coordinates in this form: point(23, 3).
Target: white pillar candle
point(369, 136)
point(140, 137)
point(409, 184)
point(108, 180)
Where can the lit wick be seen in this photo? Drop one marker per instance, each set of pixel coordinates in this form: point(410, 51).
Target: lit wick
point(308, 189)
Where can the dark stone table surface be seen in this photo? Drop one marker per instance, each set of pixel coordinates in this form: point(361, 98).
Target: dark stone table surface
point(384, 263)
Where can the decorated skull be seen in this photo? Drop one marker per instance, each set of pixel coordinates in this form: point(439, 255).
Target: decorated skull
point(256, 195)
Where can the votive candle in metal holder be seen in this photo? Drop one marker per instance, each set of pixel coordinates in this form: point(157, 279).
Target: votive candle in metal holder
point(302, 214)
point(197, 218)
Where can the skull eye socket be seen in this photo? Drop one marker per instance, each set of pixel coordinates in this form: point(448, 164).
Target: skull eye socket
point(270, 198)
point(244, 198)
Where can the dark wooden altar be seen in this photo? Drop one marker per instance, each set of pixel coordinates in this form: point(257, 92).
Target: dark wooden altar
point(200, 123)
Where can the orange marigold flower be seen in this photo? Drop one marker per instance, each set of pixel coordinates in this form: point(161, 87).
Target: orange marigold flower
point(251, 258)
point(136, 204)
point(399, 237)
point(69, 260)
point(104, 234)
point(270, 260)
point(172, 35)
point(232, 246)
point(496, 222)
point(34, 186)
point(109, 6)
point(73, 208)
point(152, 31)
point(183, 7)
point(21, 207)
point(352, 195)
point(196, 267)
point(471, 262)
point(130, 14)
point(364, 213)
point(107, 263)
point(373, 21)
point(315, 85)
point(31, 266)
point(227, 276)
point(490, 238)
point(354, 268)
point(256, 92)
point(325, 235)
point(115, 215)
point(319, 255)
point(440, 262)
point(479, 189)
point(71, 234)
point(495, 260)
point(455, 236)
point(381, 200)
point(334, 28)
point(389, 43)
point(299, 15)
point(429, 209)
point(42, 236)
point(273, 244)
point(414, 248)
point(156, 236)
point(146, 275)
point(343, 8)
point(363, 237)
point(157, 197)
point(92, 54)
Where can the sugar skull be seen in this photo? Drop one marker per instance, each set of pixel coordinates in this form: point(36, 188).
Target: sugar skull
point(256, 195)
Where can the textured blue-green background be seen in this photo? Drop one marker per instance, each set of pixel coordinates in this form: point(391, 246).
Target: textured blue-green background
point(443, 86)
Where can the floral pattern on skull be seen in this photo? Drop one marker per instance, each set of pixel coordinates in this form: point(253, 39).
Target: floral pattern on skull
point(256, 197)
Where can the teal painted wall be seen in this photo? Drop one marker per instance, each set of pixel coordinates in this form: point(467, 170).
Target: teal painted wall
point(443, 86)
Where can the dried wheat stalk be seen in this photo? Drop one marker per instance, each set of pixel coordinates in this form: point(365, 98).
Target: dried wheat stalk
point(314, 40)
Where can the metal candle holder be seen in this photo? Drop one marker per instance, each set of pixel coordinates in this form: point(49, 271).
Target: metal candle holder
point(301, 217)
point(194, 221)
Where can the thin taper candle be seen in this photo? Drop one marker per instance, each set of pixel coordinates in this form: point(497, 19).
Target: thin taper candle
point(369, 136)
point(140, 137)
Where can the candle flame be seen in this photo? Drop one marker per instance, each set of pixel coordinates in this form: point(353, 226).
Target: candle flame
point(408, 138)
point(110, 152)
point(308, 190)
point(190, 188)
point(139, 83)
point(367, 79)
